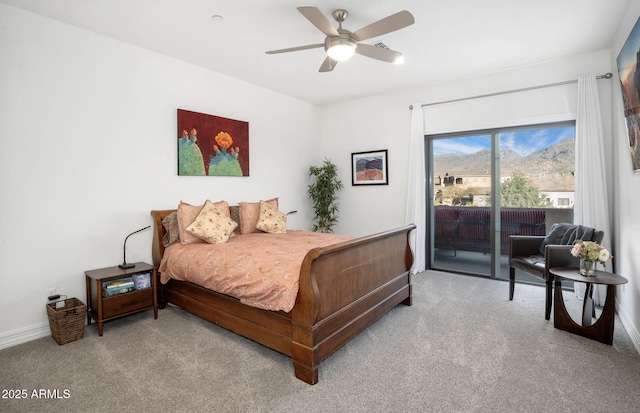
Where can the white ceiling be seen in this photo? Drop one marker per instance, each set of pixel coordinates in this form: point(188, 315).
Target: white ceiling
point(449, 40)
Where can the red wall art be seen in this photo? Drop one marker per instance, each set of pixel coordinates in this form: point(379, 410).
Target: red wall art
point(212, 146)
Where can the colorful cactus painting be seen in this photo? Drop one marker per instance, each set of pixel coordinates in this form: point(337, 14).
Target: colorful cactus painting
point(226, 160)
point(189, 154)
point(207, 149)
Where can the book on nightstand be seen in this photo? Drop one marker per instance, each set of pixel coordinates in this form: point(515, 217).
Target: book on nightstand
point(116, 287)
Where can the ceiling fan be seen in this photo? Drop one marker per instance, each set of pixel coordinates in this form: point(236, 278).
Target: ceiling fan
point(340, 44)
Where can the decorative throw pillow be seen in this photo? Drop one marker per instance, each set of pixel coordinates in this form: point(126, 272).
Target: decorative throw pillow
point(235, 215)
point(187, 214)
point(172, 232)
point(250, 214)
point(211, 225)
point(271, 220)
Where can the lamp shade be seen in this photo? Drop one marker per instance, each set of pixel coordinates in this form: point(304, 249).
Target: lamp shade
point(341, 52)
point(340, 48)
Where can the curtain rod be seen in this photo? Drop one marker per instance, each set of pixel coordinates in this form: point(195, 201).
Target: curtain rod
point(605, 76)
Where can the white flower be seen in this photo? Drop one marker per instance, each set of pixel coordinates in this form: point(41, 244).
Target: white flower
point(603, 255)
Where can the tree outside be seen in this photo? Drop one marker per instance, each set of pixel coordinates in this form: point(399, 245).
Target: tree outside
point(520, 192)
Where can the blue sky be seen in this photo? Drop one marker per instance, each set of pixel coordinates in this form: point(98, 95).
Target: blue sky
point(522, 142)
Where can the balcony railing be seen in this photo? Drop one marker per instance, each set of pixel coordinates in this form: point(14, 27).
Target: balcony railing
point(469, 228)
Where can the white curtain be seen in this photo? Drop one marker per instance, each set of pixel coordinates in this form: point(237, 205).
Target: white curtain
point(416, 202)
point(591, 207)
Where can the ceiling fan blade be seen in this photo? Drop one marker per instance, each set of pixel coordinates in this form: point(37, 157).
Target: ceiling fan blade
point(386, 55)
point(295, 49)
point(319, 20)
point(387, 25)
point(328, 65)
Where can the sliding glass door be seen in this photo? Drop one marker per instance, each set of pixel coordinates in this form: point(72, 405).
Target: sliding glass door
point(461, 219)
point(485, 186)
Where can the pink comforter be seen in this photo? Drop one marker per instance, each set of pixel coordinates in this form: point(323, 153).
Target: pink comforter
point(259, 269)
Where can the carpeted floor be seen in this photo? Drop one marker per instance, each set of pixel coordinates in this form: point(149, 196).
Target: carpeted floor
point(462, 347)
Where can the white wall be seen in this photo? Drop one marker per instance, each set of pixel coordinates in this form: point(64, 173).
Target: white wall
point(626, 195)
point(364, 125)
point(88, 142)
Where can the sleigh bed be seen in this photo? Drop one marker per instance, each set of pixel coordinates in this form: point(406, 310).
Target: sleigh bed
point(343, 288)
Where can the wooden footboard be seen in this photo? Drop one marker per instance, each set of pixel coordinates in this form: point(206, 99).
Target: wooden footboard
point(343, 289)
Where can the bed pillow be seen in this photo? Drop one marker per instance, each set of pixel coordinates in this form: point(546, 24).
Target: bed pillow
point(212, 225)
point(172, 232)
point(187, 214)
point(234, 210)
point(271, 220)
point(250, 214)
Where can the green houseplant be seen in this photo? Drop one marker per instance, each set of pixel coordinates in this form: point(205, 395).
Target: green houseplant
point(323, 193)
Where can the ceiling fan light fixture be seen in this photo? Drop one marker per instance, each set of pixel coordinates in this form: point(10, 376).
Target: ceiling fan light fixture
point(341, 48)
point(341, 52)
point(340, 44)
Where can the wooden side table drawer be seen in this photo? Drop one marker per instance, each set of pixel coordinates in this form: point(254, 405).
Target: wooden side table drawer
point(127, 302)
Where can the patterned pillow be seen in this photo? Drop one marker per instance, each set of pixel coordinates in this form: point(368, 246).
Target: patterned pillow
point(211, 225)
point(172, 232)
point(250, 214)
point(235, 215)
point(271, 220)
point(187, 214)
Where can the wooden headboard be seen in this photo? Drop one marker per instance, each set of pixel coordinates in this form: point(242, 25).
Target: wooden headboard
point(157, 248)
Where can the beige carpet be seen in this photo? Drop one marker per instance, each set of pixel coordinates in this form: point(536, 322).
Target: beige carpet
point(462, 347)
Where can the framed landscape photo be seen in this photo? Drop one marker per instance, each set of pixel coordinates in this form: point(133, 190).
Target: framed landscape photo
point(369, 168)
point(629, 72)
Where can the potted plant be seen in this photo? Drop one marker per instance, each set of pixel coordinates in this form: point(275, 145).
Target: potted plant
point(323, 193)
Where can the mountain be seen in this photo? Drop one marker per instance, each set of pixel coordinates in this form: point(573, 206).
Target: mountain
point(551, 168)
point(362, 164)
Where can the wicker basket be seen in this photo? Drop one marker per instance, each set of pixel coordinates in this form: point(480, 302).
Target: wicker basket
point(67, 323)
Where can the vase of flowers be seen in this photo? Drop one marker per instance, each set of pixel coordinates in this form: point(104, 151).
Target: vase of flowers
point(590, 253)
point(587, 268)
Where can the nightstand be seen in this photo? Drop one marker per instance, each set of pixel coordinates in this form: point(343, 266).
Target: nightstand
point(103, 306)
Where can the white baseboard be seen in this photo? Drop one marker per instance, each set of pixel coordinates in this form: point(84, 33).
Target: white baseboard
point(629, 326)
point(22, 335)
